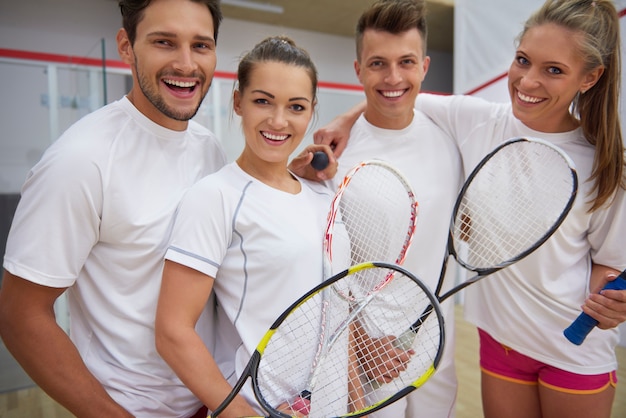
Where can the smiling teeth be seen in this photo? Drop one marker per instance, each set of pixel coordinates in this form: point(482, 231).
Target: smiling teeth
point(183, 84)
point(275, 137)
point(528, 99)
point(397, 93)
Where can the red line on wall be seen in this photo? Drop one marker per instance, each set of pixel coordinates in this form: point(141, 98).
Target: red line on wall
point(620, 13)
point(58, 58)
point(94, 62)
point(339, 86)
point(487, 84)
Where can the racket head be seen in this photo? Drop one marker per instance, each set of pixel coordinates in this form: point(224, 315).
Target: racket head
point(372, 217)
point(290, 362)
point(511, 203)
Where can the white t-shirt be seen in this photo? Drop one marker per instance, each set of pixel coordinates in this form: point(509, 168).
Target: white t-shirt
point(95, 216)
point(262, 245)
point(528, 305)
point(430, 161)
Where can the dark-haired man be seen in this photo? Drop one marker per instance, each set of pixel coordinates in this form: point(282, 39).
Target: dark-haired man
point(94, 219)
point(391, 64)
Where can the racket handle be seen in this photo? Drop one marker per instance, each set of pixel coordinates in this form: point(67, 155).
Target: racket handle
point(320, 160)
point(303, 403)
point(582, 326)
point(405, 340)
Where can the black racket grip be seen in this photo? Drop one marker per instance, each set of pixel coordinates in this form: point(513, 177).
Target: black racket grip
point(405, 340)
point(582, 326)
point(320, 160)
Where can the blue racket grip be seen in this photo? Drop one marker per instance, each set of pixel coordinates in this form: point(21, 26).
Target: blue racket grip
point(582, 326)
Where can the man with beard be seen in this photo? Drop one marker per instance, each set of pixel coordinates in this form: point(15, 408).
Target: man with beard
point(94, 220)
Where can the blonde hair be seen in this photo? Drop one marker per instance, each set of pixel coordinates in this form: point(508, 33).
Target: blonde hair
point(598, 42)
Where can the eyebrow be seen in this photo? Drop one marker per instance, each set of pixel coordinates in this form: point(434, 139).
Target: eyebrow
point(166, 34)
point(383, 58)
point(271, 96)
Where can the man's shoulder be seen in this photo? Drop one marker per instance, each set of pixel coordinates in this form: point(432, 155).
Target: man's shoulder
point(423, 124)
point(198, 132)
point(195, 128)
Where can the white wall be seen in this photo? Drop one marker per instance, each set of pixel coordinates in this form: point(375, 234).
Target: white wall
point(484, 34)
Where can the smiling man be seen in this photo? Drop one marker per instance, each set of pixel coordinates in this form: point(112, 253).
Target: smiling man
point(94, 220)
point(391, 65)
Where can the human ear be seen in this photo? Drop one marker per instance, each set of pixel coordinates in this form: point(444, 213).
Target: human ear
point(425, 66)
point(357, 70)
point(237, 102)
point(124, 47)
point(591, 78)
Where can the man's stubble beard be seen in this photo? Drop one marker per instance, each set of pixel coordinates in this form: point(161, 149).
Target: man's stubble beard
point(158, 102)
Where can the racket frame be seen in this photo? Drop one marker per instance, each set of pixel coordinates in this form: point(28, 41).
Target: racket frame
point(252, 368)
point(483, 272)
point(406, 337)
point(335, 208)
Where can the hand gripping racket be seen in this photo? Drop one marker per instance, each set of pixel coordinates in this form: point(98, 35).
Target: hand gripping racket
point(511, 203)
point(285, 363)
point(582, 326)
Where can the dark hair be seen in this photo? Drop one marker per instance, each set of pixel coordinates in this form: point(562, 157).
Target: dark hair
point(596, 36)
point(132, 13)
point(393, 16)
point(275, 49)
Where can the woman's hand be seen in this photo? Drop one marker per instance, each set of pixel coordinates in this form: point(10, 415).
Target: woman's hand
point(607, 306)
point(301, 164)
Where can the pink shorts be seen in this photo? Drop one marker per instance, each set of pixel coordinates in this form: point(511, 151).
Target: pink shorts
point(201, 413)
point(505, 363)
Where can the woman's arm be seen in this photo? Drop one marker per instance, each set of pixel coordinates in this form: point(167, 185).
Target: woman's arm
point(184, 294)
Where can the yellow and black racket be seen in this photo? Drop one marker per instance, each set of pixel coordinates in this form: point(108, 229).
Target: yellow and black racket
point(289, 361)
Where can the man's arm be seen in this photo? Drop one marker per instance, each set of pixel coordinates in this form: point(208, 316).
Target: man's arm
point(337, 131)
point(30, 332)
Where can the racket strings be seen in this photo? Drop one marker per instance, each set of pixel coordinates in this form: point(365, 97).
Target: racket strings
point(377, 355)
point(511, 204)
point(354, 352)
point(293, 351)
point(378, 212)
